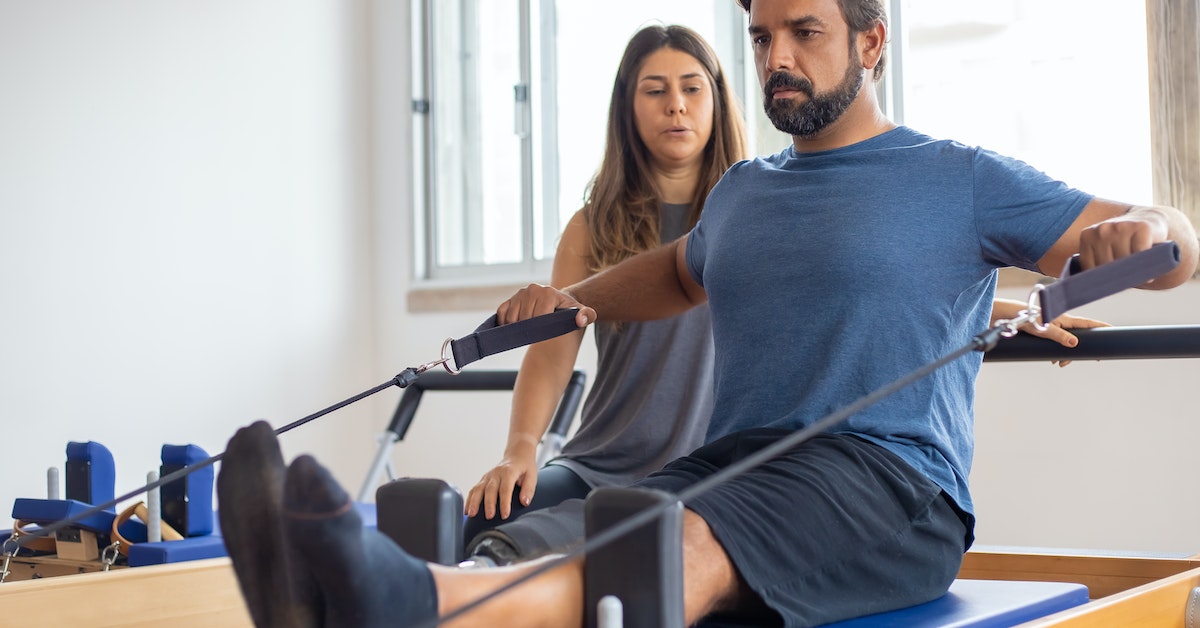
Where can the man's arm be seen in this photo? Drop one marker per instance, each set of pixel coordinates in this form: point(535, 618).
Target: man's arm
point(1106, 231)
point(651, 285)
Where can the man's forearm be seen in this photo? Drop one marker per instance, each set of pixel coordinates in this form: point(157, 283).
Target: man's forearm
point(643, 287)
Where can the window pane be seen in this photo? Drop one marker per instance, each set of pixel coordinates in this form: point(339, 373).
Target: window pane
point(1012, 76)
point(477, 176)
point(586, 72)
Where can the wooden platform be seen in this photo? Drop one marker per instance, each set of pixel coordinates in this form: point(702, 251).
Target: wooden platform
point(1150, 592)
point(1126, 590)
point(180, 595)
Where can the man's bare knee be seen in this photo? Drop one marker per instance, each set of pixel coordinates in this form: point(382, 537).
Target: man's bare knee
point(710, 580)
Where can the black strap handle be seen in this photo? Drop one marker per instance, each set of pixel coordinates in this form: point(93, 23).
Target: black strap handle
point(491, 338)
point(1077, 287)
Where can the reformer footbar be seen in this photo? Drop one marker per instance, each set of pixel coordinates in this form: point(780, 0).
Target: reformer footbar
point(1073, 289)
point(424, 515)
point(406, 409)
point(488, 339)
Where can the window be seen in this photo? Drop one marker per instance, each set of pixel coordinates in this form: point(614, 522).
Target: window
point(511, 97)
point(1012, 76)
point(510, 104)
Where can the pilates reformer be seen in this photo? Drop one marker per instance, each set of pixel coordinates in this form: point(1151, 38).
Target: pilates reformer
point(995, 587)
point(606, 517)
point(552, 442)
point(172, 525)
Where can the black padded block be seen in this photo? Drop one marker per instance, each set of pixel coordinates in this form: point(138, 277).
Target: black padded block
point(423, 516)
point(643, 568)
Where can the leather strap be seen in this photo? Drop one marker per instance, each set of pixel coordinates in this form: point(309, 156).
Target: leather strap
point(36, 542)
point(491, 338)
point(139, 509)
point(1076, 287)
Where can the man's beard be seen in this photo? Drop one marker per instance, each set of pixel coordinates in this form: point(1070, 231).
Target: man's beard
point(808, 118)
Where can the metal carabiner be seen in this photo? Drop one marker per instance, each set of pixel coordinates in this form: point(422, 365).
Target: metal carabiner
point(1032, 314)
point(4, 570)
point(8, 554)
point(1034, 308)
point(109, 555)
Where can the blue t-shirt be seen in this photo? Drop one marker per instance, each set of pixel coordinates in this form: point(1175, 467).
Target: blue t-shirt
point(832, 274)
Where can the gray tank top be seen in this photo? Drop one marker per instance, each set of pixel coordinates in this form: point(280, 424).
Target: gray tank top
point(652, 396)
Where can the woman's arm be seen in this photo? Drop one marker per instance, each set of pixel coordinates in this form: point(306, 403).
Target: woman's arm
point(545, 371)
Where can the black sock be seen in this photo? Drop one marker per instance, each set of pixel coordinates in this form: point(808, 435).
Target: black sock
point(250, 500)
point(365, 578)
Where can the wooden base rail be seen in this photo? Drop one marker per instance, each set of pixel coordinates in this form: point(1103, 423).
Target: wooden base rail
point(180, 595)
point(1126, 591)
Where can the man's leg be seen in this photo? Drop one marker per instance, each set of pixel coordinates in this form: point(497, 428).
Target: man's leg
point(366, 580)
point(555, 598)
point(710, 581)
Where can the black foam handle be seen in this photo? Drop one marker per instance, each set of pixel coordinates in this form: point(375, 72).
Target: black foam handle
point(1104, 343)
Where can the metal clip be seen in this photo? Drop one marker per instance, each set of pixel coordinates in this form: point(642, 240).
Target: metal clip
point(109, 555)
point(1034, 308)
point(1031, 314)
point(4, 571)
point(8, 555)
point(428, 365)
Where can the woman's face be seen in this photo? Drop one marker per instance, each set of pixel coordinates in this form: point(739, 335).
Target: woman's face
point(673, 108)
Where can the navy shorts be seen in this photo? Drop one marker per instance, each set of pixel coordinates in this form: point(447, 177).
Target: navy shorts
point(836, 528)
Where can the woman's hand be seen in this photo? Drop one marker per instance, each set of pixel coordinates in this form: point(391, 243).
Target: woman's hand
point(496, 486)
point(1057, 331)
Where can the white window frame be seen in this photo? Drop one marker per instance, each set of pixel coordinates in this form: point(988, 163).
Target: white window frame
point(540, 228)
point(535, 124)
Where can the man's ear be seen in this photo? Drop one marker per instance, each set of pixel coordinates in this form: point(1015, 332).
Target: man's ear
point(871, 44)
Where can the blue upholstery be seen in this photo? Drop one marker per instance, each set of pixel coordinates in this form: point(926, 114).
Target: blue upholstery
point(45, 511)
point(980, 604)
point(193, 514)
point(97, 485)
point(192, 548)
point(198, 547)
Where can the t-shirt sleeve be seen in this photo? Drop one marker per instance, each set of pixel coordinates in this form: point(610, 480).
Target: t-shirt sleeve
point(695, 254)
point(1020, 211)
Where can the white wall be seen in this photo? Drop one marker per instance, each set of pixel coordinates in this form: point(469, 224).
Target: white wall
point(1097, 454)
point(184, 227)
point(205, 218)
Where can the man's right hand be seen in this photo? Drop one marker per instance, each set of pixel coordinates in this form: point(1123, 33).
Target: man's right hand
point(536, 300)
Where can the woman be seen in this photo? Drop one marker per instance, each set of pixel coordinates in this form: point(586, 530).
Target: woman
point(674, 126)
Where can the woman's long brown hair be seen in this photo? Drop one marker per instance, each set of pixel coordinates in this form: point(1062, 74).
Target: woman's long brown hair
point(622, 204)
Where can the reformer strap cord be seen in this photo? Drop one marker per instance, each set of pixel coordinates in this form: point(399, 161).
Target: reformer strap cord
point(487, 339)
point(1073, 289)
